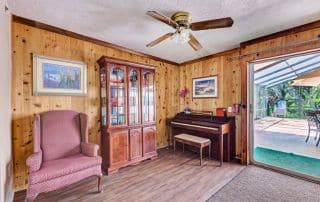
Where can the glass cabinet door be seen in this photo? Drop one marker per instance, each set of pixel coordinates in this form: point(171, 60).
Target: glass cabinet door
point(103, 83)
point(117, 96)
point(148, 97)
point(134, 83)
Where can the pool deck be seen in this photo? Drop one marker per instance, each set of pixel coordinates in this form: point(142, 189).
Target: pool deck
point(286, 135)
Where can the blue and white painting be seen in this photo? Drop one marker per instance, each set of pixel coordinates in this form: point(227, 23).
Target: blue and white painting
point(61, 77)
point(205, 87)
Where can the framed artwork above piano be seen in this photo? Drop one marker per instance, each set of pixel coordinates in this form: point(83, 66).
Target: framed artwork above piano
point(205, 87)
point(128, 107)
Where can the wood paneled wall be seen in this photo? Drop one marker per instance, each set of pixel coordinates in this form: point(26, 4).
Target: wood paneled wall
point(232, 68)
point(229, 85)
point(27, 40)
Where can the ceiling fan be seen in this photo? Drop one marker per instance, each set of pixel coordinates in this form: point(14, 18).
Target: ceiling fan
point(181, 22)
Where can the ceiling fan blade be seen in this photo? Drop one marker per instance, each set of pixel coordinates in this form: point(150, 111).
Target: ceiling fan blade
point(160, 39)
point(163, 18)
point(212, 24)
point(194, 43)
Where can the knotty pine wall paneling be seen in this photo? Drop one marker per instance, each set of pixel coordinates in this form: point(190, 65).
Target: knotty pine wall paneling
point(232, 72)
point(27, 40)
point(229, 85)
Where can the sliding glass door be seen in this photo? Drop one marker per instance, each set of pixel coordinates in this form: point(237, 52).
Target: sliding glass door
point(284, 114)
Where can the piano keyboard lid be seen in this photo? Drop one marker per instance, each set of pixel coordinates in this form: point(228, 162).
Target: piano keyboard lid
point(201, 118)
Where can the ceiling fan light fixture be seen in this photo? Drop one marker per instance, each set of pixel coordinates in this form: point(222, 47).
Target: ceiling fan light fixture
point(181, 36)
point(182, 23)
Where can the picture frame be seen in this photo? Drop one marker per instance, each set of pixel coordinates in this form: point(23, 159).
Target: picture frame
point(205, 87)
point(59, 77)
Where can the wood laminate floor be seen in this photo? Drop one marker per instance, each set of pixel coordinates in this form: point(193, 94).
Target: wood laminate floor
point(170, 177)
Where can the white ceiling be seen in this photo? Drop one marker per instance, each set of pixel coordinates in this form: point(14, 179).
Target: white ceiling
point(125, 23)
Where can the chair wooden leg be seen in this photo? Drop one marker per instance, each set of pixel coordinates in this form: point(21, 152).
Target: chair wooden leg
point(31, 199)
point(209, 151)
point(100, 183)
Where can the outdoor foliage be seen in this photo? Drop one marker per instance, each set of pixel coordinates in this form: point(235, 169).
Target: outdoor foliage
point(298, 98)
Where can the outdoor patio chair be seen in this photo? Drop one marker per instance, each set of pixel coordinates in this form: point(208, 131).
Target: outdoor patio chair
point(313, 125)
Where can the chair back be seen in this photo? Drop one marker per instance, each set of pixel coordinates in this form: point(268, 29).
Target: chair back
point(312, 118)
point(60, 134)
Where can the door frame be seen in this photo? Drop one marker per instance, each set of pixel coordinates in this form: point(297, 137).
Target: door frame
point(250, 122)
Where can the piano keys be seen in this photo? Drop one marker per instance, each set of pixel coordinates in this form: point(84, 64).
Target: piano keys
point(220, 130)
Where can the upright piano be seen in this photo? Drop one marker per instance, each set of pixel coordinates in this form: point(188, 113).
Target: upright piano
point(221, 131)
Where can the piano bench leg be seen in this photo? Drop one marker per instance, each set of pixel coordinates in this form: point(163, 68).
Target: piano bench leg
point(200, 156)
point(210, 151)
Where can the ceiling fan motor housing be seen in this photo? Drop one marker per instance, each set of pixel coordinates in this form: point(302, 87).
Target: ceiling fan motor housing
point(181, 22)
point(182, 18)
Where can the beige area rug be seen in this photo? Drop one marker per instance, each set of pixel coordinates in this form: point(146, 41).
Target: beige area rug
point(258, 184)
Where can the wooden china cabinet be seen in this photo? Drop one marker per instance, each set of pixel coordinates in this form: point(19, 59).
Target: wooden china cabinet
point(128, 127)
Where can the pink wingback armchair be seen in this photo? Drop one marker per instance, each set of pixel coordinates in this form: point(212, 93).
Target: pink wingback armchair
point(62, 154)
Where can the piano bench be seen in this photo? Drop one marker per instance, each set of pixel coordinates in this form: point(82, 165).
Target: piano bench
point(192, 140)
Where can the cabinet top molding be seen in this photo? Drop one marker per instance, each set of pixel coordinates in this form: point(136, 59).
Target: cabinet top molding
point(105, 59)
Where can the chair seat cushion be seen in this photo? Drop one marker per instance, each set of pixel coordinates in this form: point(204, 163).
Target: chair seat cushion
point(61, 167)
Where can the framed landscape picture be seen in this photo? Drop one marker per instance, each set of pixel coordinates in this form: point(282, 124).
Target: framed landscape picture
point(55, 76)
point(205, 87)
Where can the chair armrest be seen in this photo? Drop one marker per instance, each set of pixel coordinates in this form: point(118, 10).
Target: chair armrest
point(89, 149)
point(34, 161)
